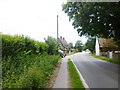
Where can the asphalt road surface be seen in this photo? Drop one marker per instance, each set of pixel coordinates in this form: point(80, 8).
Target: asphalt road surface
point(97, 73)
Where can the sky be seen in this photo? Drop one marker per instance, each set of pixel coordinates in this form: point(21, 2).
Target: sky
point(36, 19)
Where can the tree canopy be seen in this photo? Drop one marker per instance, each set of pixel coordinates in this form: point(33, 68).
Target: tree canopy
point(70, 45)
point(78, 45)
point(100, 19)
point(90, 44)
point(52, 45)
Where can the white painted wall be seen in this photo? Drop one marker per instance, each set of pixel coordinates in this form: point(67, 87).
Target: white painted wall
point(111, 55)
point(97, 47)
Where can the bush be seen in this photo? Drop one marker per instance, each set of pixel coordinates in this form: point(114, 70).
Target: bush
point(33, 78)
point(25, 62)
point(14, 45)
point(32, 72)
point(52, 45)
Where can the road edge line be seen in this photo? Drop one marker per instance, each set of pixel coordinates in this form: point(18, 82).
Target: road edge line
point(81, 77)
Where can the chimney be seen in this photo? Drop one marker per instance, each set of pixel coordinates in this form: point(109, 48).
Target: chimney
point(61, 37)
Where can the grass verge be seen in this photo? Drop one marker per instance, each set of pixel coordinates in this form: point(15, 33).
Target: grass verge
point(105, 59)
point(75, 81)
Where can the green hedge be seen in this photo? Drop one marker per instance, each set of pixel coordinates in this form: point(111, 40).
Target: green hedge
point(14, 45)
point(26, 63)
point(32, 71)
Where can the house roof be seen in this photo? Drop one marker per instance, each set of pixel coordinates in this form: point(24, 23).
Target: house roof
point(103, 42)
point(62, 42)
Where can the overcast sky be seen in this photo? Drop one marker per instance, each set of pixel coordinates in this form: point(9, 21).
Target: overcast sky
point(36, 19)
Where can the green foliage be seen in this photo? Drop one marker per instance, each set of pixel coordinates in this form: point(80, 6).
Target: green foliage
point(78, 45)
point(52, 45)
point(42, 48)
point(74, 77)
point(32, 71)
point(14, 45)
point(25, 62)
point(90, 44)
point(95, 18)
point(33, 78)
point(70, 45)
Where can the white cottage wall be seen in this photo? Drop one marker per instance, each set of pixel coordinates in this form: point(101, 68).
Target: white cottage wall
point(97, 47)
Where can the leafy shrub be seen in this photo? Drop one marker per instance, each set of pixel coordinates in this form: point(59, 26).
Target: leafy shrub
point(25, 62)
point(33, 78)
point(52, 45)
point(14, 45)
point(32, 72)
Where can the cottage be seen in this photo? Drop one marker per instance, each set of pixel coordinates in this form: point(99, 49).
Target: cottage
point(63, 44)
point(106, 47)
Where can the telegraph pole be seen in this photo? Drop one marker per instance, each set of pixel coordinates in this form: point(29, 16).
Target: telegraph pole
point(57, 27)
point(57, 31)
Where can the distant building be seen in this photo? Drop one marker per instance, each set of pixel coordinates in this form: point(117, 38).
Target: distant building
point(105, 47)
point(63, 43)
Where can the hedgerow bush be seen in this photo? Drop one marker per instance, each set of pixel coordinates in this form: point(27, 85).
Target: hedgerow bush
point(32, 72)
point(26, 62)
point(14, 45)
point(52, 45)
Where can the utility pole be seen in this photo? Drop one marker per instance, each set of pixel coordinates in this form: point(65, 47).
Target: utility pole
point(57, 26)
point(57, 31)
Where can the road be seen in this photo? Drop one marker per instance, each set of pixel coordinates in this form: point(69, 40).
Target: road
point(97, 73)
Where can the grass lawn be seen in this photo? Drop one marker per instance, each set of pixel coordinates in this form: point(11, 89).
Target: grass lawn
point(75, 81)
point(106, 59)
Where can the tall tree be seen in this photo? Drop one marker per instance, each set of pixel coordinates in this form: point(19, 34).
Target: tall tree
point(52, 45)
point(70, 45)
point(100, 19)
point(90, 44)
point(78, 45)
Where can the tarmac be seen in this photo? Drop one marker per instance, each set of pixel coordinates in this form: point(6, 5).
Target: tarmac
point(62, 80)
